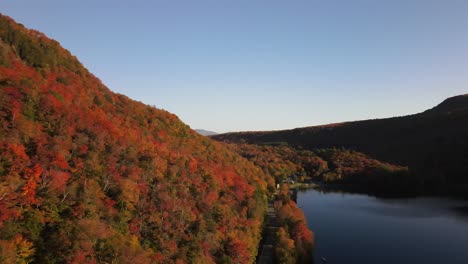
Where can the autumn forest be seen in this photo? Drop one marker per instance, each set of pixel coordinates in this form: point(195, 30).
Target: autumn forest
point(91, 176)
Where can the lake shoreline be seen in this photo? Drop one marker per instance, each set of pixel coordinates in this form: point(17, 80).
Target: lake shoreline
point(366, 190)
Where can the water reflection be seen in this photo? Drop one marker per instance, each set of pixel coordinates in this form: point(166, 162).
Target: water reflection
point(355, 228)
point(462, 211)
point(418, 207)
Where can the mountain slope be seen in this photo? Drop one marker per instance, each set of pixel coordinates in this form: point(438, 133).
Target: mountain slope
point(434, 144)
point(87, 175)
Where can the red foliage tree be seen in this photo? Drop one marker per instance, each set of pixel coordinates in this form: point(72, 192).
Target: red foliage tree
point(32, 176)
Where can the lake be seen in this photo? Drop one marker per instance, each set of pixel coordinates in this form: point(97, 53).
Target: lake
point(356, 228)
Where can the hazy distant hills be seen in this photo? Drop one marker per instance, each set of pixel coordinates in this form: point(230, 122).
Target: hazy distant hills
point(434, 144)
point(205, 132)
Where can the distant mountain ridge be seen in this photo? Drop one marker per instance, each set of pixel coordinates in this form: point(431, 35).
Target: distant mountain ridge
point(205, 132)
point(434, 143)
point(455, 103)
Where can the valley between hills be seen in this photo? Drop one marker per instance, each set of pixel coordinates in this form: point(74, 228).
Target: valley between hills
point(91, 176)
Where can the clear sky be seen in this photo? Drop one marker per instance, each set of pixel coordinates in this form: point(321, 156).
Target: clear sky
point(262, 65)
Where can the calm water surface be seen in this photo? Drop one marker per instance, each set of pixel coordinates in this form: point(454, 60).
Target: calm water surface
point(354, 228)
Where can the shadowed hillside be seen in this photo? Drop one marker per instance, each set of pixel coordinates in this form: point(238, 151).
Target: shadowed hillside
point(434, 144)
point(90, 176)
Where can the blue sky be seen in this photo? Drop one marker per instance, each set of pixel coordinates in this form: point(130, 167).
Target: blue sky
point(264, 65)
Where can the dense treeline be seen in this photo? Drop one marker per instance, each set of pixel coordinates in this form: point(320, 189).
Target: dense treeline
point(347, 168)
point(433, 144)
point(282, 161)
point(294, 240)
point(363, 173)
point(90, 176)
point(35, 49)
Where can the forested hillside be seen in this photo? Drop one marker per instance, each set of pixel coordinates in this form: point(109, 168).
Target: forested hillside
point(432, 144)
point(348, 168)
point(90, 176)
